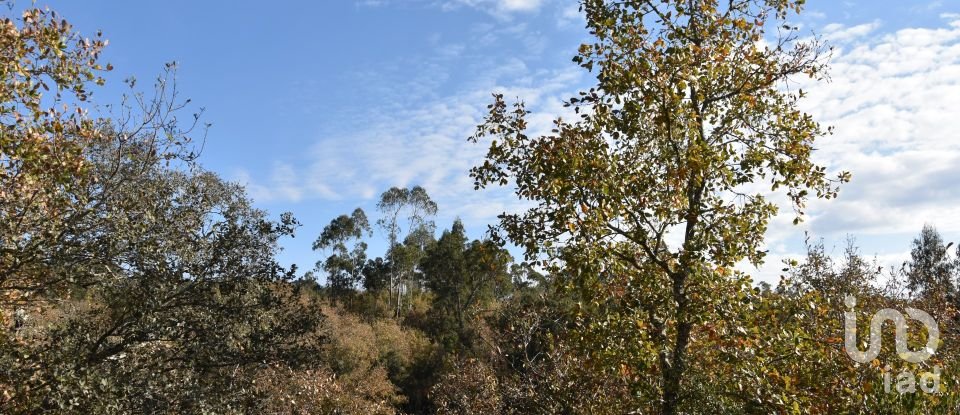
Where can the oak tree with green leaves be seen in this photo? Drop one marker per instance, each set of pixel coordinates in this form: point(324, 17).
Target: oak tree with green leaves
point(651, 196)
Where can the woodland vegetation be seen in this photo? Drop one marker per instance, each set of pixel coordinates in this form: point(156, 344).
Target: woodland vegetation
point(134, 281)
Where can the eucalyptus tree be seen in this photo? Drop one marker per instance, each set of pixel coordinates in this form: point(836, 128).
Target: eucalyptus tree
point(930, 271)
point(376, 274)
point(656, 189)
point(345, 265)
point(416, 204)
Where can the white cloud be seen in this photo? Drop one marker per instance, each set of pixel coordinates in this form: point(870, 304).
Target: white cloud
point(498, 8)
point(425, 145)
point(421, 139)
point(416, 134)
point(893, 100)
point(838, 33)
point(520, 5)
point(502, 9)
point(282, 185)
point(370, 3)
point(569, 14)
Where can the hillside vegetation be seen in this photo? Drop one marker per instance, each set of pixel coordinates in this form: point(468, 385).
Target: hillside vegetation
point(134, 281)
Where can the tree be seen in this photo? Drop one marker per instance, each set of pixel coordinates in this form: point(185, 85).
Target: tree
point(462, 278)
point(414, 249)
point(344, 266)
point(376, 275)
point(47, 140)
point(48, 73)
point(139, 283)
point(793, 341)
point(188, 294)
point(690, 114)
point(419, 209)
point(445, 271)
point(818, 273)
point(930, 272)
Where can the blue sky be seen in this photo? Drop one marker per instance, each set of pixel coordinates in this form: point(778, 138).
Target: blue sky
point(320, 106)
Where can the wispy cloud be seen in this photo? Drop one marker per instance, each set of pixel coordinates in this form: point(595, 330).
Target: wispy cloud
point(282, 185)
point(417, 132)
point(502, 9)
point(569, 15)
point(839, 33)
point(423, 144)
point(496, 6)
point(893, 100)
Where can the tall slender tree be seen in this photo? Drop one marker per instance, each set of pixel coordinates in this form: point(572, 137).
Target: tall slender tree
point(344, 266)
point(419, 210)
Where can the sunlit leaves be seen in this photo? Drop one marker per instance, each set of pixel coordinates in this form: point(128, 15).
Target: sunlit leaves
point(649, 196)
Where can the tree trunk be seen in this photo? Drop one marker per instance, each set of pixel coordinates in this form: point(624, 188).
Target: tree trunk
point(674, 369)
point(673, 373)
